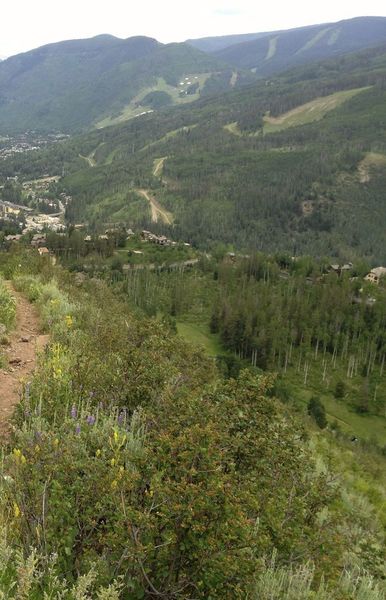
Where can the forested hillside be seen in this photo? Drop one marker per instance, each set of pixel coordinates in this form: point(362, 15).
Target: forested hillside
point(73, 85)
point(280, 50)
point(296, 165)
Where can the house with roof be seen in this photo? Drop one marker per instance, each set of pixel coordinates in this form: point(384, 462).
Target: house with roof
point(376, 275)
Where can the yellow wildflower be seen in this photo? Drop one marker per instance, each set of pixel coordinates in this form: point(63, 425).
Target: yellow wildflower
point(16, 510)
point(17, 453)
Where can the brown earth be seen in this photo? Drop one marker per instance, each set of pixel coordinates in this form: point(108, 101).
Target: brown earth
point(25, 342)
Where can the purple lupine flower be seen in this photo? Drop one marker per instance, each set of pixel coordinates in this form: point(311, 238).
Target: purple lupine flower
point(74, 412)
point(77, 429)
point(90, 420)
point(121, 417)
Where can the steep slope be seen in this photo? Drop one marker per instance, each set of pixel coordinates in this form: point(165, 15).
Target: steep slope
point(281, 50)
point(71, 85)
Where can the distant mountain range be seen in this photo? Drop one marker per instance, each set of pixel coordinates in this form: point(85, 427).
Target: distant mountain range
point(78, 85)
point(276, 51)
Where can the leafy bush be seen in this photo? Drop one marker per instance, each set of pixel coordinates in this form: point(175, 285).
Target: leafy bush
point(317, 411)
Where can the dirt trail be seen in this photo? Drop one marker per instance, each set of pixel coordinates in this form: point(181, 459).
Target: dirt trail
point(156, 209)
point(158, 166)
point(25, 343)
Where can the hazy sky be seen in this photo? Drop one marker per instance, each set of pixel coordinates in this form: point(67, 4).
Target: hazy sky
point(27, 24)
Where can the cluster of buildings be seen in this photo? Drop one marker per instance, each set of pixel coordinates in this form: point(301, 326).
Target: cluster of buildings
point(41, 222)
point(27, 142)
point(160, 240)
point(9, 209)
point(374, 276)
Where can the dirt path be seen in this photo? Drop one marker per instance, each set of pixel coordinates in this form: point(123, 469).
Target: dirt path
point(89, 159)
point(157, 212)
point(25, 343)
point(158, 166)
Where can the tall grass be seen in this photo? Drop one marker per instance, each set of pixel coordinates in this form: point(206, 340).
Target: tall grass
point(7, 307)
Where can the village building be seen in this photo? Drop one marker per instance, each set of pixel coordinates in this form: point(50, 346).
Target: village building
point(340, 269)
point(161, 240)
point(39, 239)
point(12, 238)
point(376, 275)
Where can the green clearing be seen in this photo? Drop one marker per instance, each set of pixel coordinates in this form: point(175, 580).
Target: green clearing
point(367, 427)
point(234, 129)
point(371, 160)
point(169, 135)
point(364, 426)
point(309, 112)
point(311, 43)
point(272, 48)
point(135, 108)
point(199, 335)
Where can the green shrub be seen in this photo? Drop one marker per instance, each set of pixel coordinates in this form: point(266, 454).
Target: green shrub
point(317, 411)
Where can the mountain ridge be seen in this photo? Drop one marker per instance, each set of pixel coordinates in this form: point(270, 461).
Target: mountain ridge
point(283, 50)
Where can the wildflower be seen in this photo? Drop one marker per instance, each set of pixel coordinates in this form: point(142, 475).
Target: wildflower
point(113, 462)
point(69, 321)
point(98, 453)
point(16, 510)
point(90, 420)
point(17, 453)
point(114, 484)
point(77, 429)
point(56, 442)
point(74, 411)
point(121, 417)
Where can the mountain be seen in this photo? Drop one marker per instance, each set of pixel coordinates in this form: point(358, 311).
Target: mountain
point(212, 44)
point(78, 84)
point(281, 50)
point(295, 164)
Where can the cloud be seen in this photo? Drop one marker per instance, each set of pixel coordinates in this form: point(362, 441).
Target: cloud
point(227, 12)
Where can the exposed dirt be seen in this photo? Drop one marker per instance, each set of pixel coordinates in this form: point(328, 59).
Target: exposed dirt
point(158, 166)
point(25, 344)
point(157, 212)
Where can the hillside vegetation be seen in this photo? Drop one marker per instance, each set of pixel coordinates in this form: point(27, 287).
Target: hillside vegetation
point(298, 189)
point(158, 474)
point(74, 85)
point(280, 50)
